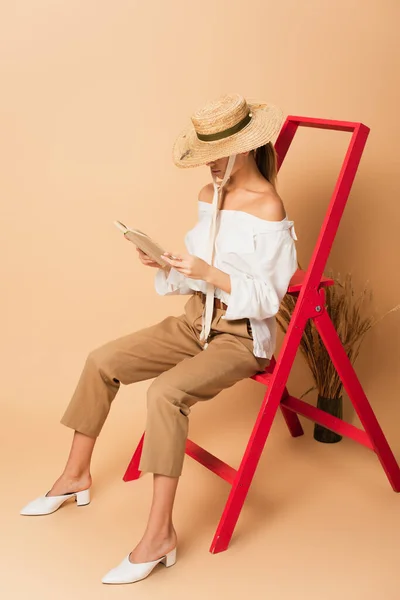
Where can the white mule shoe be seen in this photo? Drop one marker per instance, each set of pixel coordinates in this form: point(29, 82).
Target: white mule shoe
point(127, 572)
point(44, 505)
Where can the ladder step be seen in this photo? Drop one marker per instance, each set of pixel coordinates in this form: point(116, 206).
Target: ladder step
point(296, 283)
point(211, 462)
point(262, 377)
point(329, 421)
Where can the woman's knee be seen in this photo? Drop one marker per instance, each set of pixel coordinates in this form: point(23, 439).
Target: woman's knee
point(162, 397)
point(102, 359)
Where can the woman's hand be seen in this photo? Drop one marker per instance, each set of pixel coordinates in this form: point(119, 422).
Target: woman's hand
point(189, 265)
point(147, 261)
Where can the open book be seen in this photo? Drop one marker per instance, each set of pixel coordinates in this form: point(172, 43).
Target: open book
point(145, 243)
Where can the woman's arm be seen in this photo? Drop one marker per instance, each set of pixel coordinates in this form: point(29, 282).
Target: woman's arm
point(259, 295)
point(219, 279)
point(169, 281)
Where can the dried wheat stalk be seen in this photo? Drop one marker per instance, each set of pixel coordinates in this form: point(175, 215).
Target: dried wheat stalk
point(351, 321)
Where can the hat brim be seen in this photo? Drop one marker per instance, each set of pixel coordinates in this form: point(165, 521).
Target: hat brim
point(266, 122)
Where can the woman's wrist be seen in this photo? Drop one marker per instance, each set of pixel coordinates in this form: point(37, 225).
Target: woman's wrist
point(219, 279)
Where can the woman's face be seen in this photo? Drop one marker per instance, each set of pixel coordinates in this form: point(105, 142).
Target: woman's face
point(218, 167)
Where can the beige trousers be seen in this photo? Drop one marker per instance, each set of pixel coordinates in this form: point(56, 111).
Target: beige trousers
point(171, 352)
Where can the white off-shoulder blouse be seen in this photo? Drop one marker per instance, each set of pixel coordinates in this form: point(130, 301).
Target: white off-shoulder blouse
point(260, 257)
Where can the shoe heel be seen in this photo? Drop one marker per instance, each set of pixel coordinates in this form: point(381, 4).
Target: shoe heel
point(82, 498)
point(169, 559)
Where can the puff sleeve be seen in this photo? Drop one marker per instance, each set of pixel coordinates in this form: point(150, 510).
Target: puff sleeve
point(258, 295)
point(172, 283)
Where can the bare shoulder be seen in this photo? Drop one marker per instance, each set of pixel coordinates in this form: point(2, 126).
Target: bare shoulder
point(269, 206)
point(264, 204)
point(206, 193)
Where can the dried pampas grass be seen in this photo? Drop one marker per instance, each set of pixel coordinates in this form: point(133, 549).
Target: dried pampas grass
point(351, 320)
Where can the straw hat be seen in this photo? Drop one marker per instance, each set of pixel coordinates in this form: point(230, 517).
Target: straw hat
point(229, 125)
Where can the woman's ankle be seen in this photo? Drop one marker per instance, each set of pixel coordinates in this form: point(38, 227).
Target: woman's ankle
point(67, 484)
point(74, 474)
point(161, 535)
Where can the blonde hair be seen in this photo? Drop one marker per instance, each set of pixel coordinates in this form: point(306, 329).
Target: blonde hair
point(266, 161)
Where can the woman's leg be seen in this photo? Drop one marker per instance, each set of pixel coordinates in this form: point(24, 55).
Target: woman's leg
point(172, 394)
point(76, 475)
point(159, 537)
point(138, 356)
point(169, 400)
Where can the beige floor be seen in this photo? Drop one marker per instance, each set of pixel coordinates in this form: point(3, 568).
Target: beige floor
point(320, 522)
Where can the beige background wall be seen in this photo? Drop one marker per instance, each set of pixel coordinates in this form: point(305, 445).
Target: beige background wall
point(92, 96)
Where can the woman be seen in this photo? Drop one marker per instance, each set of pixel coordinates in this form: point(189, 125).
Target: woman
point(226, 334)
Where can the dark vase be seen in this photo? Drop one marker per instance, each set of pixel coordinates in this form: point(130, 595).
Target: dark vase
point(333, 406)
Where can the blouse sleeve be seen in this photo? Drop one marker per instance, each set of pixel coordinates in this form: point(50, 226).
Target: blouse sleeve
point(259, 295)
point(173, 283)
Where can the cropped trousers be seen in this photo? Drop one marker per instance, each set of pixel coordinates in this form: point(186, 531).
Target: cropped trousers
point(185, 373)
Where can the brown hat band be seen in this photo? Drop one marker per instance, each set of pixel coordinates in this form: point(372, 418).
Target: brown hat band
point(226, 132)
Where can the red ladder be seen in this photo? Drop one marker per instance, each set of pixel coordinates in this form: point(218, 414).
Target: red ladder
point(309, 287)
